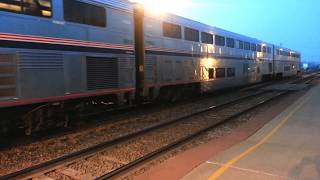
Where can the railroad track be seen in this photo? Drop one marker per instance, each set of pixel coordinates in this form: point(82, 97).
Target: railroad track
point(203, 120)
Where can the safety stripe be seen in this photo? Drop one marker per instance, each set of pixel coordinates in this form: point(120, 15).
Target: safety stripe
point(27, 41)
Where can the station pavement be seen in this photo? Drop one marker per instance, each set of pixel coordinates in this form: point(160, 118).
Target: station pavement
point(286, 148)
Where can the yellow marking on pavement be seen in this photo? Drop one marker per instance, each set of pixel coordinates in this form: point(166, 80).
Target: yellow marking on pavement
point(227, 165)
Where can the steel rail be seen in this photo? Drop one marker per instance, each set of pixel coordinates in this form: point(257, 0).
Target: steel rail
point(70, 158)
point(152, 155)
point(73, 157)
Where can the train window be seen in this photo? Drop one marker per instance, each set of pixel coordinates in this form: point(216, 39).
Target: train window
point(230, 42)
point(171, 30)
point(284, 53)
point(246, 68)
point(281, 53)
point(264, 49)
point(11, 6)
point(296, 55)
point(278, 52)
point(270, 67)
point(253, 47)
point(231, 72)
point(220, 72)
point(84, 13)
point(220, 40)
point(269, 50)
point(191, 34)
point(206, 38)
point(287, 68)
point(211, 73)
point(41, 8)
point(259, 48)
point(240, 44)
point(246, 46)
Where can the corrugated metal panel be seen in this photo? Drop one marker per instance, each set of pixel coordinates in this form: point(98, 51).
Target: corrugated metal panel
point(149, 68)
point(120, 4)
point(31, 60)
point(126, 67)
point(8, 73)
point(102, 73)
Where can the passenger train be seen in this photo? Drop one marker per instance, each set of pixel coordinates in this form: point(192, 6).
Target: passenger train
point(66, 55)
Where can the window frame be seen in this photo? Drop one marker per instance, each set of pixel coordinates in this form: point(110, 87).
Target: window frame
point(219, 76)
point(22, 6)
point(218, 40)
point(264, 49)
point(208, 36)
point(259, 48)
point(211, 73)
point(84, 23)
point(246, 46)
point(269, 51)
point(169, 25)
point(241, 44)
point(253, 47)
point(192, 32)
point(230, 42)
point(232, 73)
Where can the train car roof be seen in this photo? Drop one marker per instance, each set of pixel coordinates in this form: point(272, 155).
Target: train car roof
point(128, 6)
point(120, 4)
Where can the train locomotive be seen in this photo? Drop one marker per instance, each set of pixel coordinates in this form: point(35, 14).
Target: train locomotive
point(69, 55)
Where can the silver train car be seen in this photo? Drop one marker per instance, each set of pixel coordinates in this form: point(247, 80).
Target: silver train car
point(54, 58)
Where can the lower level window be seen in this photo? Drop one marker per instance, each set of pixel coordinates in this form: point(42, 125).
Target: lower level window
point(287, 68)
point(211, 73)
point(220, 72)
point(246, 68)
point(270, 67)
point(231, 72)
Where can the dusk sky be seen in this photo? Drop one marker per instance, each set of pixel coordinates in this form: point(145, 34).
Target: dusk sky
point(293, 23)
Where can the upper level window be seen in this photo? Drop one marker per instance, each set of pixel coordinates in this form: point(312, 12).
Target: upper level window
point(230, 42)
point(41, 8)
point(253, 47)
point(171, 30)
point(240, 44)
point(264, 48)
point(246, 46)
point(191, 34)
point(220, 40)
point(284, 53)
point(296, 55)
point(259, 48)
point(269, 50)
point(206, 38)
point(84, 13)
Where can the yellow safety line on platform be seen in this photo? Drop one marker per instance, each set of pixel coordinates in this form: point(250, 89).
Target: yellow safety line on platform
point(227, 165)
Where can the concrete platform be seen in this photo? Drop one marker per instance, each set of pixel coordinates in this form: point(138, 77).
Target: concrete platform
point(286, 148)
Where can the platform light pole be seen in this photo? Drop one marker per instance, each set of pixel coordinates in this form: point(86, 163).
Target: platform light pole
point(139, 51)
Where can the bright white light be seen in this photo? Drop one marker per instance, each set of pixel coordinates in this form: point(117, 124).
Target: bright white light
point(169, 6)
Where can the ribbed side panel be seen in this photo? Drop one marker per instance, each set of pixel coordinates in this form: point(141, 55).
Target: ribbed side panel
point(102, 73)
point(8, 73)
point(149, 68)
point(29, 60)
point(121, 4)
point(126, 67)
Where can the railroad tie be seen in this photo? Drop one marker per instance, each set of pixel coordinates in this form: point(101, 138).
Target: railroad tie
point(75, 174)
point(42, 177)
